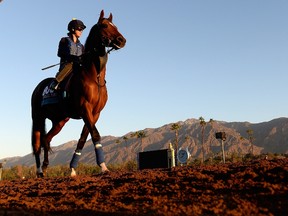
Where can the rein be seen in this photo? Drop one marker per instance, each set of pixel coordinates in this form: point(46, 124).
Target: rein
point(106, 42)
point(102, 63)
point(109, 50)
point(109, 46)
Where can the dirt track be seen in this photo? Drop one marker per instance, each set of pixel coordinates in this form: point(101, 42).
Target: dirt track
point(254, 188)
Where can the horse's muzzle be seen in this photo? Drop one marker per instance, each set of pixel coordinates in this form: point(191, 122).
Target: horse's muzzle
point(119, 42)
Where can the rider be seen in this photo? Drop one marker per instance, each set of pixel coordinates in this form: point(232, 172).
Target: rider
point(70, 50)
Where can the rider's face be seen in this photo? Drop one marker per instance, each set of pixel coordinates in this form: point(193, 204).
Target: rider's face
point(78, 33)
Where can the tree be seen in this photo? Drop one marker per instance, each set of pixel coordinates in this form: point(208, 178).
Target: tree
point(203, 125)
point(141, 135)
point(125, 138)
point(211, 122)
point(241, 139)
point(175, 127)
point(250, 138)
point(1, 168)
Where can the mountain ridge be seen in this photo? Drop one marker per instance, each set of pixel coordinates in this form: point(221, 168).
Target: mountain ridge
point(268, 137)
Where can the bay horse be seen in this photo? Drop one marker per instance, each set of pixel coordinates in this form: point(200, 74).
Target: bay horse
point(87, 96)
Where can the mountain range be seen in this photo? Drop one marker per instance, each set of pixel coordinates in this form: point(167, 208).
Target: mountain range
point(241, 138)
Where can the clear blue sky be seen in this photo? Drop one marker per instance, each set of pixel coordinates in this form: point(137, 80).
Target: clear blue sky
point(220, 59)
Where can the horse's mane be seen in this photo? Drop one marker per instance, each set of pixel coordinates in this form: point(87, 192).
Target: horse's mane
point(92, 39)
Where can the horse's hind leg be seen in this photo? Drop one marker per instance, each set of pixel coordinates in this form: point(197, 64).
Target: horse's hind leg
point(36, 145)
point(56, 128)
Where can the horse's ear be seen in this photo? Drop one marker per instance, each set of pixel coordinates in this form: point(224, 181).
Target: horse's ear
point(110, 17)
point(101, 15)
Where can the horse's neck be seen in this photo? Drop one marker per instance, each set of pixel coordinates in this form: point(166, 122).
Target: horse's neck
point(96, 58)
point(95, 66)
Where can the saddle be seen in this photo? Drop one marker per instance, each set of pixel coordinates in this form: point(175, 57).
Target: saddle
point(52, 96)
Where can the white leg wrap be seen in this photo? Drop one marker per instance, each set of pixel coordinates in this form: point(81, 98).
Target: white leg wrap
point(98, 145)
point(39, 170)
point(78, 153)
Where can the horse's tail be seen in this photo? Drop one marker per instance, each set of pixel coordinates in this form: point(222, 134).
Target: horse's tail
point(38, 118)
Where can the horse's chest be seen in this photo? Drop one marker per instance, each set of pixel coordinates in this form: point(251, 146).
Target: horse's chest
point(98, 98)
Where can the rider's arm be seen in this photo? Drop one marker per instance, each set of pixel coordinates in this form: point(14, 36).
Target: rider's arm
point(64, 49)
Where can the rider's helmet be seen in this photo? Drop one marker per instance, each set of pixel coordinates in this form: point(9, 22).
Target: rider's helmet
point(75, 24)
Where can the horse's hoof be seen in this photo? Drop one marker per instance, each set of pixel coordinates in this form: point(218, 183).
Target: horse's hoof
point(73, 172)
point(40, 175)
point(106, 171)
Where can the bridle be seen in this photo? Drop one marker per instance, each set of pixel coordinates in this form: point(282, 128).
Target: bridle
point(106, 41)
point(109, 46)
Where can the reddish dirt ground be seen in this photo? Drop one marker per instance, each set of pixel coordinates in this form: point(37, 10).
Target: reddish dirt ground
point(254, 188)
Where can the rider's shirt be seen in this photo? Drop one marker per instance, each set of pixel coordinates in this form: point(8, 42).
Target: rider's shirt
point(67, 49)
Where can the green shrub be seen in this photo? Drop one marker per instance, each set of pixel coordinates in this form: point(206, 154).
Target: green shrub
point(21, 172)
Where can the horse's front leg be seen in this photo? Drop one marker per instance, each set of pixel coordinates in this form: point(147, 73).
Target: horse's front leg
point(96, 139)
point(98, 149)
point(80, 145)
point(56, 128)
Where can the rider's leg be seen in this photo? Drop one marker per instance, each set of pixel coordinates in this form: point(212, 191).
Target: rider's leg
point(60, 76)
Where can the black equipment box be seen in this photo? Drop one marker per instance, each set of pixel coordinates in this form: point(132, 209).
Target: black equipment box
point(154, 159)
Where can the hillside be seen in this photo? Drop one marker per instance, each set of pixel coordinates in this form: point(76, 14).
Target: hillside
point(268, 137)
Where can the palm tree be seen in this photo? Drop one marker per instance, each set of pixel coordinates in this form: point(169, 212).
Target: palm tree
point(175, 127)
point(211, 122)
point(203, 125)
point(250, 138)
point(238, 147)
point(141, 135)
point(125, 138)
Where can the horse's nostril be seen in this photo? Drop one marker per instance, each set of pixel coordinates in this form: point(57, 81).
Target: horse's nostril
point(121, 40)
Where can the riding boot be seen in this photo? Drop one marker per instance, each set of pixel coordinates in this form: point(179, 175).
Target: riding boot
point(54, 85)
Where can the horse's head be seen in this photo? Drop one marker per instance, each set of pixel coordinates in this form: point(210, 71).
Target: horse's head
point(110, 35)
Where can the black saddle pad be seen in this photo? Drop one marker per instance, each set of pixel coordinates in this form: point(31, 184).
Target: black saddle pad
point(52, 96)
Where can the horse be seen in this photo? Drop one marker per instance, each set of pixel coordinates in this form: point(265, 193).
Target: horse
point(86, 97)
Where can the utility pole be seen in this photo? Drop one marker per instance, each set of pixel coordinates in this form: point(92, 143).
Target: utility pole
point(1, 168)
point(223, 151)
point(222, 137)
